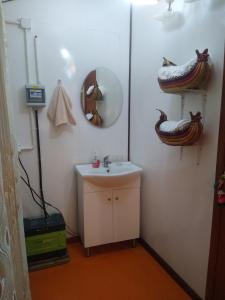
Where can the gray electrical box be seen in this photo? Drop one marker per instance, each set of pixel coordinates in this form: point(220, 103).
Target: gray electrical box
point(35, 95)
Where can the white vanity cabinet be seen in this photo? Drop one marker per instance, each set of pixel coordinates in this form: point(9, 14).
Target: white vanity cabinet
point(108, 214)
point(97, 218)
point(126, 214)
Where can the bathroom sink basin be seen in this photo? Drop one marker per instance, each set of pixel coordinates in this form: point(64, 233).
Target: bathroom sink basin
point(118, 173)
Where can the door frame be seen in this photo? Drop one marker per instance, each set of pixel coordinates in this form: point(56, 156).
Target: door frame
point(12, 240)
point(217, 210)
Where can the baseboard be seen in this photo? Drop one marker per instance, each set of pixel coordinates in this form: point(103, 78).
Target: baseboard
point(170, 271)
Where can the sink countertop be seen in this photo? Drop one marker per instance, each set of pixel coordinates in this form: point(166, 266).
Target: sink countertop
point(114, 169)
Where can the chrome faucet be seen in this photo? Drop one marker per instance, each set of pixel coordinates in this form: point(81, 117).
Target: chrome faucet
point(106, 161)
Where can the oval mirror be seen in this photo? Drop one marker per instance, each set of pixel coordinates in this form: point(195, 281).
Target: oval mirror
point(101, 98)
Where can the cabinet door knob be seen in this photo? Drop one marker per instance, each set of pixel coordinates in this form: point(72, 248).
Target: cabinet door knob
point(109, 199)
point(117, 198)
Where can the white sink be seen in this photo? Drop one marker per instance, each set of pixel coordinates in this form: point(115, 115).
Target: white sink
point(118, 173)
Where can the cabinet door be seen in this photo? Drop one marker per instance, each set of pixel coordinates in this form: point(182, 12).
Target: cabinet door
point(98, 218)
point(126, 214)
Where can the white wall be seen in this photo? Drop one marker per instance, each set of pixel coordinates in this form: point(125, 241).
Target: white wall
point(177, 196)
point(96, 33)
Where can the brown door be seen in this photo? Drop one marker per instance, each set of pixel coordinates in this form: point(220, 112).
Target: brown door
point(216, 270)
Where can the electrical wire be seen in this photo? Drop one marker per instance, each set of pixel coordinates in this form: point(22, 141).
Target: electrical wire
point(33, 192)
point(28, 183)
point(68, 229)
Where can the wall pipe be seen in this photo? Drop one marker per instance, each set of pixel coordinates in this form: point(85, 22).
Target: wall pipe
point(36, 59)
point(27, 62)
point(129, 79)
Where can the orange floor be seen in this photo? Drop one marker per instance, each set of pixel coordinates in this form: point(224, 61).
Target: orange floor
point(116, 272)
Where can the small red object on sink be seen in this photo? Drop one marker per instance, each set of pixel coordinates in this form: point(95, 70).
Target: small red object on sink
point(96, 164)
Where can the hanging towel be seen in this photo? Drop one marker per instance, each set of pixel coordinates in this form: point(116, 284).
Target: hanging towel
point(60, 108)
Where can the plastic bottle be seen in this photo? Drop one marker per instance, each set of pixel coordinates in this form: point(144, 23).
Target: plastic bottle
point(95, 161)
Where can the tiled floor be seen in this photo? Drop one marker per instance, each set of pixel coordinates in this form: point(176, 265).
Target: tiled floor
point(116, 272)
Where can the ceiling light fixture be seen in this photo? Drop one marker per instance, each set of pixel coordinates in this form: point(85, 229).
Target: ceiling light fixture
point(166, 14)
point(169, 4)
point(170, 19)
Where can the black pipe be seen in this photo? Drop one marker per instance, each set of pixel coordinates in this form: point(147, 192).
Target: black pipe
point(129, 79)
point(39, 163)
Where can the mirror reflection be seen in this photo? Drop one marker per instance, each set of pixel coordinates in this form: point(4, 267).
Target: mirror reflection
point(101, 98)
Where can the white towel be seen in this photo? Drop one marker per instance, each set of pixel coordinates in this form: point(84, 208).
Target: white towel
point(60, 108)
point(169, 72)
point(173, 126)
